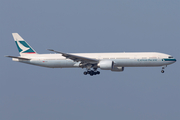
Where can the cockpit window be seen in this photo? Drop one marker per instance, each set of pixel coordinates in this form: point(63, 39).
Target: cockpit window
point(170, 56)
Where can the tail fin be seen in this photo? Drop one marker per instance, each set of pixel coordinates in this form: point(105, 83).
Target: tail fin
point(22, 45)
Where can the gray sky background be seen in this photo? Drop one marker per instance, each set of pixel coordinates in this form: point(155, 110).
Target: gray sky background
point(34, 93)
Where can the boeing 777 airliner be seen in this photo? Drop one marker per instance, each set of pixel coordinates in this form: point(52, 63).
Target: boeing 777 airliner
point(91, 61)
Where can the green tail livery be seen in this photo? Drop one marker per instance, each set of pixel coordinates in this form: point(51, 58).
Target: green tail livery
point(22, 45)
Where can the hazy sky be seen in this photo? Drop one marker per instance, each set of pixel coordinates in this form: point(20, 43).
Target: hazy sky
point(35, 93)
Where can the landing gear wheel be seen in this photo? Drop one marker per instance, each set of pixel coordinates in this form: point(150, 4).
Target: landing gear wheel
point(162, 71)
point(91, 73)
point(85, 73)
point(98, 72)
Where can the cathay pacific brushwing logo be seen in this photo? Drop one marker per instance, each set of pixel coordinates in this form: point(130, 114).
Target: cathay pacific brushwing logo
point(23, 48)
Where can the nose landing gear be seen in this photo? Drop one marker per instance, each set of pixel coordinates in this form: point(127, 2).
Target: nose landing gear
point(163, 67)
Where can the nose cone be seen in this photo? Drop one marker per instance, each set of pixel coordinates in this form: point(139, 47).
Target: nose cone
point(170, 60)
point(173, 60)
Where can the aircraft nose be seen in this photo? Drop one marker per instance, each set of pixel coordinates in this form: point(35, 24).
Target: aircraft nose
point(174, 60)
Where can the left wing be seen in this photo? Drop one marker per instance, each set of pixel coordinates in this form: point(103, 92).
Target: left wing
point(77, 58)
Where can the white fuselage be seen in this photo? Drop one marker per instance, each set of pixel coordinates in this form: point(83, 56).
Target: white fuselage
point(105, 61)
point(131, 59)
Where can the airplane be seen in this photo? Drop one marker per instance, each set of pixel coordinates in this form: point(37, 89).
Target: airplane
point(115, 62)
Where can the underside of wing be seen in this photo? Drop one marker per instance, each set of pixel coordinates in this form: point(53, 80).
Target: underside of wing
point(21, 58)
point(77, 58)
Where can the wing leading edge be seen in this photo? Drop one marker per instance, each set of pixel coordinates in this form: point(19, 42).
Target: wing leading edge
point(77, 58)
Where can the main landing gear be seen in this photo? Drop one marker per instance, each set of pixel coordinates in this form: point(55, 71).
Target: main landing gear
point(91, 72)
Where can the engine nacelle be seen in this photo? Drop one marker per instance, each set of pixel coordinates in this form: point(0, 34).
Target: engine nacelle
point(117, 69)
point(105, 65)
point(109, 65)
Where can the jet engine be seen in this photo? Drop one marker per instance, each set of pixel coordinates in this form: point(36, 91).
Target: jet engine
point(109, 65)
point(117, 69)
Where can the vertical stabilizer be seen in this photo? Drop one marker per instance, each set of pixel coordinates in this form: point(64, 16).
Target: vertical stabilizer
point(22, 45)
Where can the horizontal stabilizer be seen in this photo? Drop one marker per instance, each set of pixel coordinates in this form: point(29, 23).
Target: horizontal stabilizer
point(21, 58)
